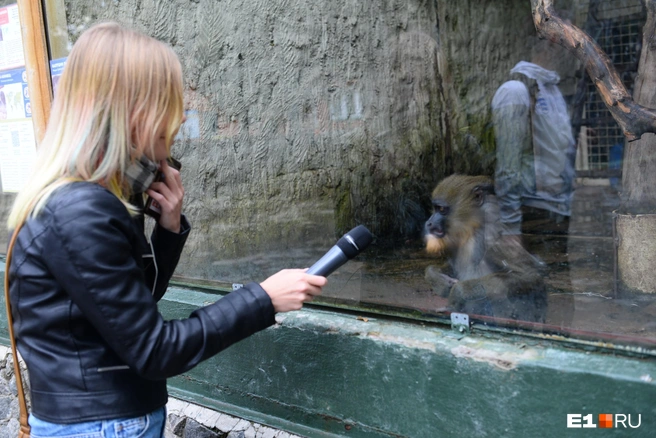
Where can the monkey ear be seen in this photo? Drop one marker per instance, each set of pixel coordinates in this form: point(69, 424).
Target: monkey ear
point(481, 191)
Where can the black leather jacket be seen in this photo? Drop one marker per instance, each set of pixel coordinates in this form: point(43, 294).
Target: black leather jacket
point(85, 313)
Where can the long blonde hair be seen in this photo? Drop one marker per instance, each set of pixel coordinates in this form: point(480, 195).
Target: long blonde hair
point(118, 89)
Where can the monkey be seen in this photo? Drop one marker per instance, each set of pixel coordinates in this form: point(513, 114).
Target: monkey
point(488, 273)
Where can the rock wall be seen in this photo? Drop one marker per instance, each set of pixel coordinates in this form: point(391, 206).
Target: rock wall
point(308, 118)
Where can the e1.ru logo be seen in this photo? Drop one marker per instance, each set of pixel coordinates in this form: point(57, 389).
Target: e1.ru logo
point(606, 421)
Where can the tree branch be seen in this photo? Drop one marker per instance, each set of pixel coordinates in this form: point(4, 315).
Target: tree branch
point(634, 119)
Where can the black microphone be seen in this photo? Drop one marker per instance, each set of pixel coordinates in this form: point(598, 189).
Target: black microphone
point(350, 245)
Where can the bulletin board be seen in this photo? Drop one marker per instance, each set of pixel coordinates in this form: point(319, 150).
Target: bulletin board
point(25, 96)
point(25, 90)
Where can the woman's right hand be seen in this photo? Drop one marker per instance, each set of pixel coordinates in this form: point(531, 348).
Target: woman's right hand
point(290, 288)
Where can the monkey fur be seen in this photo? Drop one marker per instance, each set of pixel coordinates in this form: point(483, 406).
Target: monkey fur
point(489, 273)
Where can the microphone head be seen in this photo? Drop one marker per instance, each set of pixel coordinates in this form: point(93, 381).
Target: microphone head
point(355, 241)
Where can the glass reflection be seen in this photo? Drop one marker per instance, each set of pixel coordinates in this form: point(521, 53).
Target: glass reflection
point(307, 123)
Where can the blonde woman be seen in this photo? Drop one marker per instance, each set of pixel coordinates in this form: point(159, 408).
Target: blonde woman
point(84, 278)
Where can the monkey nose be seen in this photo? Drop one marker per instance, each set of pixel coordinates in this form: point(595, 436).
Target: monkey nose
point(435, 228)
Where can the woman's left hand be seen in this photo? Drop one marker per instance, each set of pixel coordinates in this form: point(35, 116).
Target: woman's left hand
point(169, 194)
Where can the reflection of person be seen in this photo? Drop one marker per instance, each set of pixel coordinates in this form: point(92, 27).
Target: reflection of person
point(85, 281)
point(534, 177)
point(535, 150)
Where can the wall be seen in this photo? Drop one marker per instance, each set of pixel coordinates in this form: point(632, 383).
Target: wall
point(308, 118)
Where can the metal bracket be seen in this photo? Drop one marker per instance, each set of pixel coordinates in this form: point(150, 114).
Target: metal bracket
point(460, 322)
point(236, 286)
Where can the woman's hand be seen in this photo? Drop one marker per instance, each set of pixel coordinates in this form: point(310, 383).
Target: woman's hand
point(169, 194)
point(290, 288)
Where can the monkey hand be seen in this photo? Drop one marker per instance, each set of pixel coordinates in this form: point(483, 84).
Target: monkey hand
point(290, 288)
point(440, 282)
point(482, 296)
point(465, 292)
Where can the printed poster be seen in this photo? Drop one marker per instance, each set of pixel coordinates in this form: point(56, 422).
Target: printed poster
point(56, 70)
point(17, 142)
point(11, 40)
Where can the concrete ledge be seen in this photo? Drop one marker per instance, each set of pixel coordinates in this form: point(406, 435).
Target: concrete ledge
point(325, 373)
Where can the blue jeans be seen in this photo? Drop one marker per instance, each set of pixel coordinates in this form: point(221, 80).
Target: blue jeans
point(148, 426)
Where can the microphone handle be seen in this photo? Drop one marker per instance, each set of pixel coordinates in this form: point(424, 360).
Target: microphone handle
point(327, 264)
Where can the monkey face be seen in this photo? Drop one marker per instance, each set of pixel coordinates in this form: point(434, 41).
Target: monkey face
point(436, 224)
point(435, 228)
point(457, 211)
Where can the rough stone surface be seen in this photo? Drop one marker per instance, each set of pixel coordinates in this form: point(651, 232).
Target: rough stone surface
point(9, 410)
point(185, 420)
point(197, 430)
point(309, 118)
point(300, 112)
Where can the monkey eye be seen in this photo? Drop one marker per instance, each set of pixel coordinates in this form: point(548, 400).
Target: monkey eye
point(442, 209)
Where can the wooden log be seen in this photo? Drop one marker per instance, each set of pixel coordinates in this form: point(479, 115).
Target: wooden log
point(37, 64)
point(639, 173)
point(634, 119)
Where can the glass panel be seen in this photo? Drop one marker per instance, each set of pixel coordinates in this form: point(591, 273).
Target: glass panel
point(306, 119)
